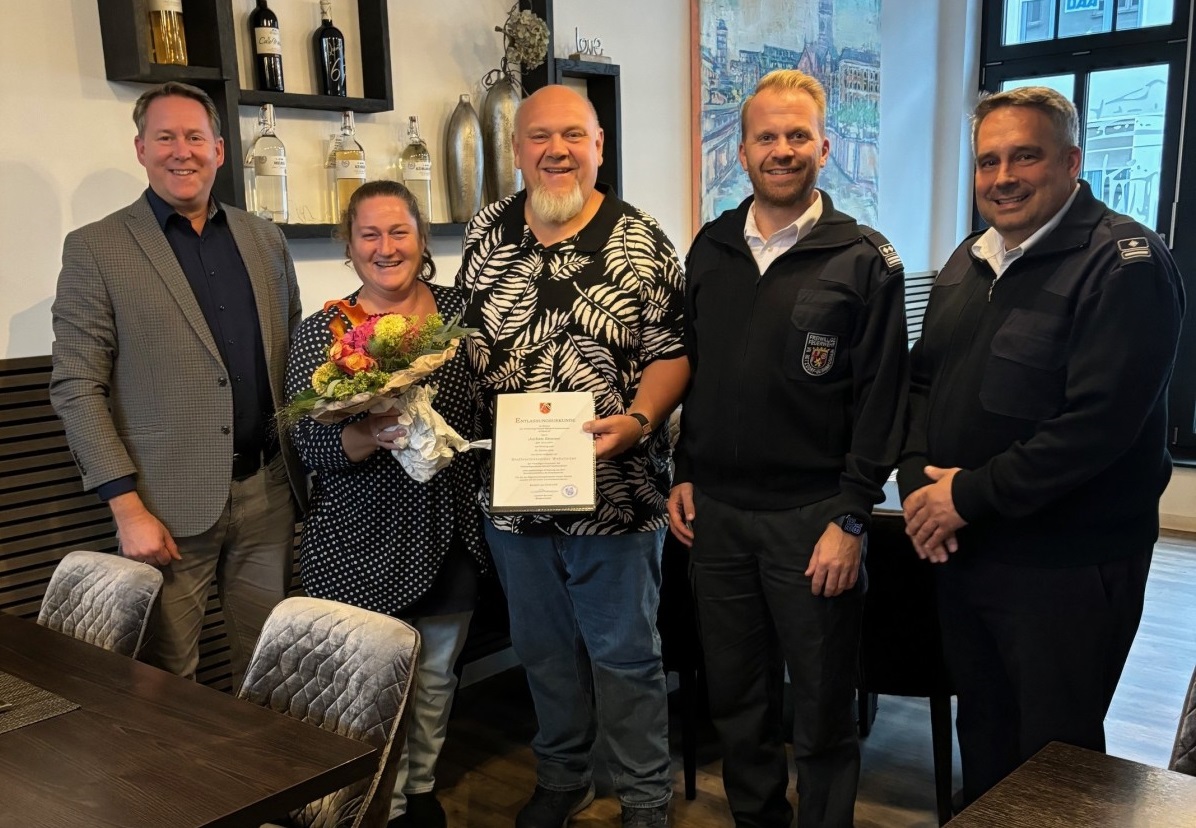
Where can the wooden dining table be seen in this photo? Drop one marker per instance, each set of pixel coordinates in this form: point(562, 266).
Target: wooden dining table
point(147, 749)
point(1063, 786)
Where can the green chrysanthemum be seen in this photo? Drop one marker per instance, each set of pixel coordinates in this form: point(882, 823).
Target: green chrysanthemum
point(323, 375)
point(390, 330)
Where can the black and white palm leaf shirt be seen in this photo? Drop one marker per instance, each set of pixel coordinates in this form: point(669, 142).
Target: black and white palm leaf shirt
point(585, 314)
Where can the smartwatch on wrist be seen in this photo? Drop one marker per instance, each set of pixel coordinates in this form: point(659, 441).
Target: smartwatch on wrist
point(645, 425)
point(850, 524)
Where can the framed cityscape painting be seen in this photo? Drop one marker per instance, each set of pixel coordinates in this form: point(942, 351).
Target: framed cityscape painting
point(737, 42)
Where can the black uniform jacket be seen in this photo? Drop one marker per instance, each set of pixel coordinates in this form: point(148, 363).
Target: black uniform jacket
point(798, 392)
point(1048, 387)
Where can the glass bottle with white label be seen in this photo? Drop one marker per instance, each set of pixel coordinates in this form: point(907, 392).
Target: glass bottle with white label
point(269, 170)
point(416, 164)
point(346, 158)
point(168, 44)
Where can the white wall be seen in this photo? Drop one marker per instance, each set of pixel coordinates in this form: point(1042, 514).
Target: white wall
point(929, 66)
point(66, 150)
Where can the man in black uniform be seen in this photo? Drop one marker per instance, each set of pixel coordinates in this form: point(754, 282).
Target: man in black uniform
point(1037, 448)
point(793, 419)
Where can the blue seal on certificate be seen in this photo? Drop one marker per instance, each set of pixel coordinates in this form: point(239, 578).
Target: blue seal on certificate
point(569, 490)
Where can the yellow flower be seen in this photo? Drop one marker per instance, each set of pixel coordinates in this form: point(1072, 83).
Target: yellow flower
point(323, 375)
point(390, 330)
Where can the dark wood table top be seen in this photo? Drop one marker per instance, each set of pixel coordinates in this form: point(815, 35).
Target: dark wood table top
point(147, 748)
point(1062, 785)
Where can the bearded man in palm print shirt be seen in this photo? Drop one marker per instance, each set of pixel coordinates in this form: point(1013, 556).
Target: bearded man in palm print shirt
point(574, 290)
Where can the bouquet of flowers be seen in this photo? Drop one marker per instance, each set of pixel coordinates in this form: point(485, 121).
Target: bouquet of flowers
point(376, 366)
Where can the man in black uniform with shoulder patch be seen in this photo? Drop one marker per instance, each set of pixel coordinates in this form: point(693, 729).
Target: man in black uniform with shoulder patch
point(793, 419)
point(1037, 449)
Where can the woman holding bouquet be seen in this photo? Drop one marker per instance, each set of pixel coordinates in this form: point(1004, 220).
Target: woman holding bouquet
point(374, 537)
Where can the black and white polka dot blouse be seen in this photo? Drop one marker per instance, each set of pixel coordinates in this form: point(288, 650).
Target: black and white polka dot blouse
point(373, 537)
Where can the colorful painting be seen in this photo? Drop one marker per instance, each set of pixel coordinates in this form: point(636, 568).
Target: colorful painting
point(736, 42)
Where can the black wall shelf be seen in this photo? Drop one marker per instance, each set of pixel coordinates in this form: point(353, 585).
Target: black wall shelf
point(602, 88)
point(330, 103)
point(124, 28)
point(210, 30)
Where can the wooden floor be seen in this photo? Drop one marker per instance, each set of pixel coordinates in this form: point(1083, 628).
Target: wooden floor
point(487, 770)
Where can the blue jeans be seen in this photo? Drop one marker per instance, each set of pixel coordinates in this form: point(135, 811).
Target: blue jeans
point(583, 624)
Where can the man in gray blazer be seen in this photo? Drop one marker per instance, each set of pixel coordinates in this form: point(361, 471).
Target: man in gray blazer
point(172, 322)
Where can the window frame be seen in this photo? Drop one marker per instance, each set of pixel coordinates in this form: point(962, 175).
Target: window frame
point(993, 23)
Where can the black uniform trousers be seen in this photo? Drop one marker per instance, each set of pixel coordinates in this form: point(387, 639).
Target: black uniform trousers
point(1035, 655)
point(756, 614)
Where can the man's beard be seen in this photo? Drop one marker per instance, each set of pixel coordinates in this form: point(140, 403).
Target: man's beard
point(554, 208)
point(795, 193)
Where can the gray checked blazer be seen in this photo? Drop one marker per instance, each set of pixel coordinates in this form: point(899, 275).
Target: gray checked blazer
point(137, 378)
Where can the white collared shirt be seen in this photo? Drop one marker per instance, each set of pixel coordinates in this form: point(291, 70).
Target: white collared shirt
point(991, 246)
point(766, 251)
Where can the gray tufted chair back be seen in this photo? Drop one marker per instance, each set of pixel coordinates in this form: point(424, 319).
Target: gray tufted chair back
point(347, 670)
point(101, 598)
point(1183, 756)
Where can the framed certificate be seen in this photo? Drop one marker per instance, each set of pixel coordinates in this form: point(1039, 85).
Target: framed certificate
point(543, 461)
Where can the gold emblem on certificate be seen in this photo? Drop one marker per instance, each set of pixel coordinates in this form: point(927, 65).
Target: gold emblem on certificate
point(543, 461)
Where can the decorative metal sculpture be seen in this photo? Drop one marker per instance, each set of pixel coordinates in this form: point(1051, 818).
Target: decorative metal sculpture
point(464, 161)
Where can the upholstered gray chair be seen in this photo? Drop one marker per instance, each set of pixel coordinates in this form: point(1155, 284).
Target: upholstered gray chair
point(102, 599)
point(347, 670)
point(1183, 756)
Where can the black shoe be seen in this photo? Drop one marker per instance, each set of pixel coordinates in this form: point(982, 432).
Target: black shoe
point(552, 809)
point(657, 817)
point(423, 811)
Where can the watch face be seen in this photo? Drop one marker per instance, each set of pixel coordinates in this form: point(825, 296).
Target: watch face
point(851, 525)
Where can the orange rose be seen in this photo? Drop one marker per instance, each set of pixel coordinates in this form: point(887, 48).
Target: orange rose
point(356, 362)
point(337, 351)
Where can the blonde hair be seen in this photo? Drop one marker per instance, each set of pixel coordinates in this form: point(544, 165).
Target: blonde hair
point(788, 80)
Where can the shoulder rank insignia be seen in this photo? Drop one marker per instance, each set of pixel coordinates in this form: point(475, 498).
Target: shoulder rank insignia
point(1135, 248)
point(891, 257)
point(886, 250)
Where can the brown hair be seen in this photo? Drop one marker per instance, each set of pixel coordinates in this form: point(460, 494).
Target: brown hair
point(176, 90)
point(787, 80)
point(1059, 111)
point(385, 188)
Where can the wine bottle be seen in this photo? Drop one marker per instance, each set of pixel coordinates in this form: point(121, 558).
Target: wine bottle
point(329, 46)
point(168, 44)
point(267, 48)
point(347, 159)
point(269, 170)
point(417, 168)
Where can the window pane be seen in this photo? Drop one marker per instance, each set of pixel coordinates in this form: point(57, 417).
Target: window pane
point(1027, 21)
point(1140, 14)
point(1085, 17)
point(1123, 141)
point(1065, 85)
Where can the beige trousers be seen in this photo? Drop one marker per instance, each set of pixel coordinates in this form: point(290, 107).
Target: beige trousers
point(249, 553)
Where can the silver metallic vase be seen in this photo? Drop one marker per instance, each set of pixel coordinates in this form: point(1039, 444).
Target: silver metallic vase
point(464, 161)
point(498, 129)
